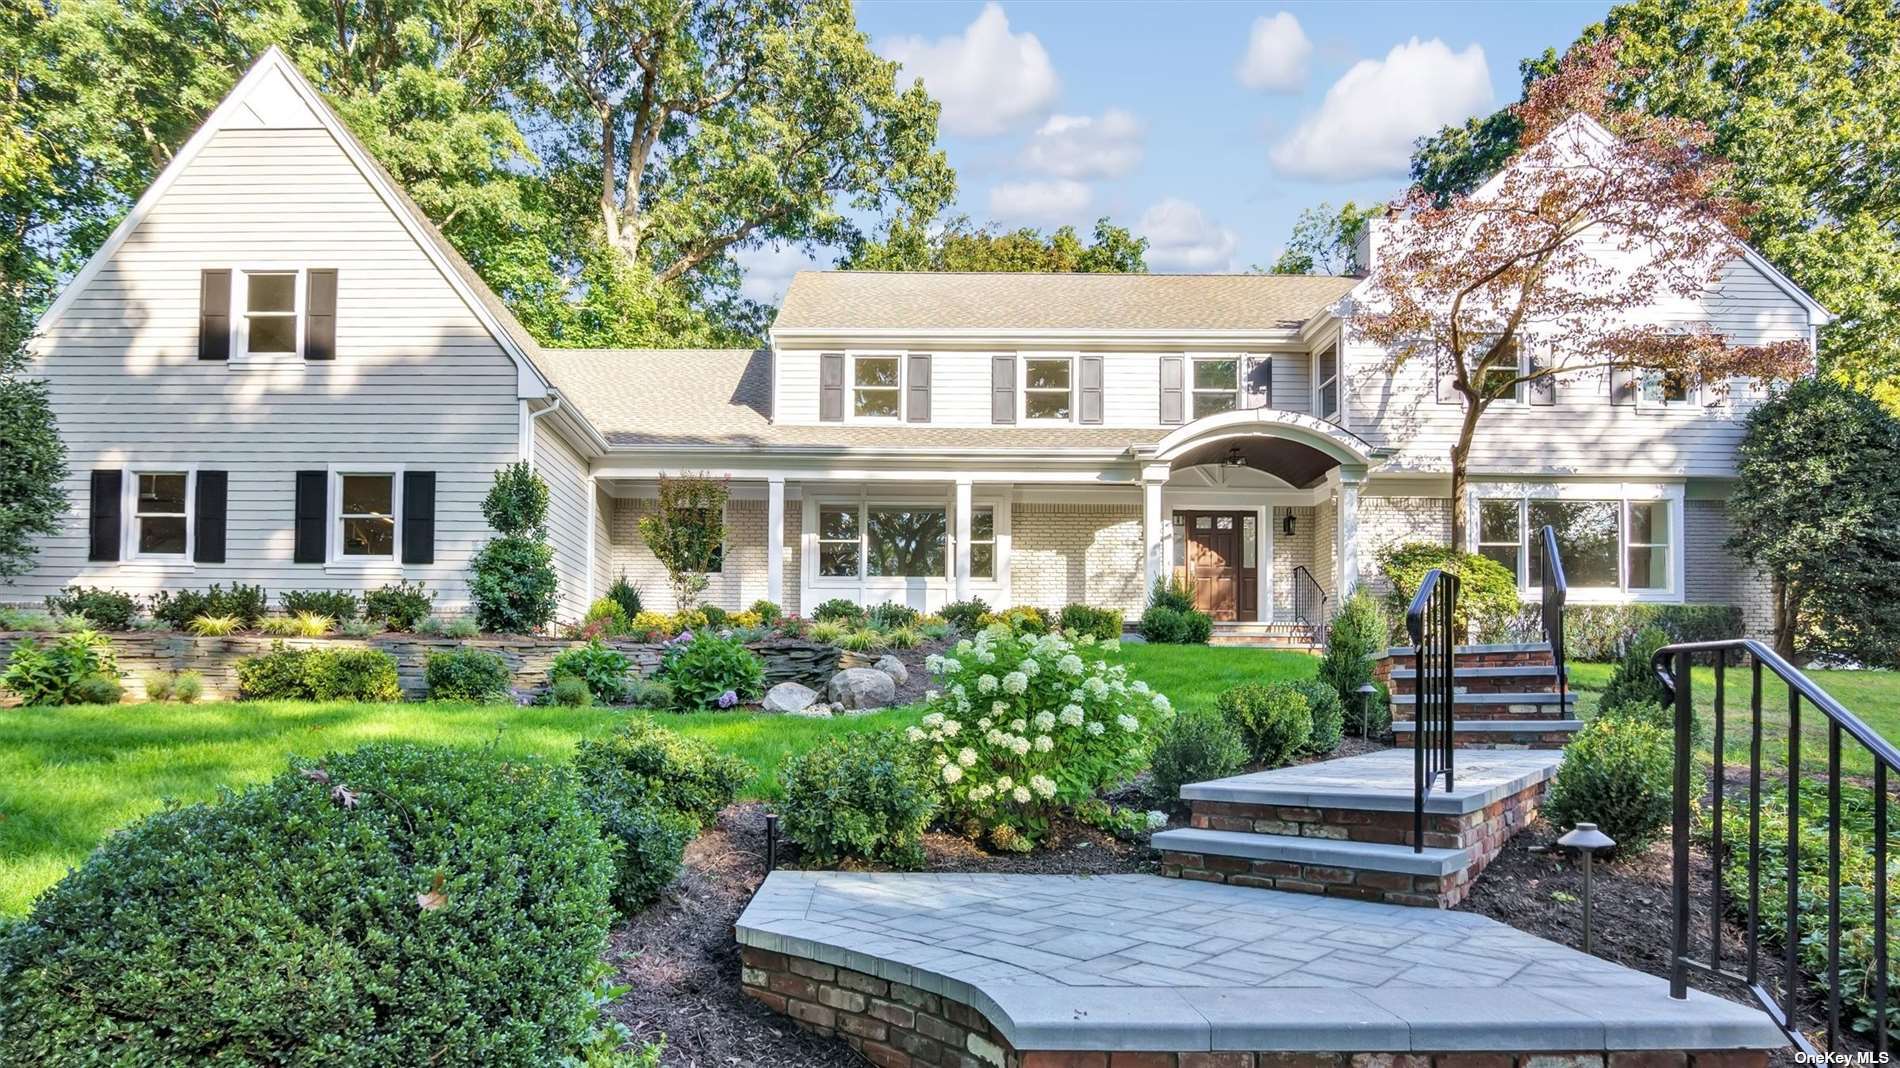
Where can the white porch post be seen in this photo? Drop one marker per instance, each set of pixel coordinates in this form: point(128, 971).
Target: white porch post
point(1346, 552)
point(963, 539)
point(775, 540)
point(593, 520)
point(1154, 526)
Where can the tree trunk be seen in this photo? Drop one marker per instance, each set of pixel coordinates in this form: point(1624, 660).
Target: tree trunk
point(1460, 462)
point(1787, 614)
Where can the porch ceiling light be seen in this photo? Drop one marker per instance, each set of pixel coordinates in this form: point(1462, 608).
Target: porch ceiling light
point(1234, 458)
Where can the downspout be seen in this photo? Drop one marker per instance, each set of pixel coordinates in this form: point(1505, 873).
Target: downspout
point(533, 419)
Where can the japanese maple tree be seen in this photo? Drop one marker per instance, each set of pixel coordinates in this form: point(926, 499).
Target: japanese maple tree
point(1566, 253)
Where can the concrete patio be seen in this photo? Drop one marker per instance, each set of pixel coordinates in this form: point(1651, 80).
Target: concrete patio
point(1141, 963)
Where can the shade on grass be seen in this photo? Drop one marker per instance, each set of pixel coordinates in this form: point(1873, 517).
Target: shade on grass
point(68, 776)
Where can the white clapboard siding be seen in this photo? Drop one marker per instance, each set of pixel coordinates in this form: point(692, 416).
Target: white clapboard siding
point(417, 384)
point(1293, 382)
point(566, 475)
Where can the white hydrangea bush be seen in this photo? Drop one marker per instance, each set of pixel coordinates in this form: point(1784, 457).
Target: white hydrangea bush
point(1020, 725)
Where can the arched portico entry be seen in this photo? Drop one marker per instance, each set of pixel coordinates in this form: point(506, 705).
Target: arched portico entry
point(1256, 511)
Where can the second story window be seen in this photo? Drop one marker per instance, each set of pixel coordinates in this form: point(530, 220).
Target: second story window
point(270, 312)
point(1326, 375)
point(1663, 389)
point(1216, 385)
point(1500, 378)
point(875, 389)
point(1046, 389)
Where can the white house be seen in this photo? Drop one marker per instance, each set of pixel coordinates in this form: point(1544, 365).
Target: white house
point(277, 371)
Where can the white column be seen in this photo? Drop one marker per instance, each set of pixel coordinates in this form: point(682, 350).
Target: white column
point(593, 520)
point(1155, 528)
point(1347, 528)
point(775, 540)
point(963, 539)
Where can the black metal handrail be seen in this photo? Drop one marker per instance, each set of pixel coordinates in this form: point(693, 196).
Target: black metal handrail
point(1556, 590)
point(1310, 604)
point(1431, 623)
point(1672, 665)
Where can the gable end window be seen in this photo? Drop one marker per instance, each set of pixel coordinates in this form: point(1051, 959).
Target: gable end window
point(1216, 385)
point(271, 320)
point(1326, 374)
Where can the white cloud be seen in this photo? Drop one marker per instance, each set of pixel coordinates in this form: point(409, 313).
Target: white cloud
point(1081, 146)
point(1057, 201)
point(1367, 123)
point(1277, 51)
point(1182, 238)
point(769, 269)
point(989, 79)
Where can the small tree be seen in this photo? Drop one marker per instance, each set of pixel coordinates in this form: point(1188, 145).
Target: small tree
point(32, 458)
point(687, 532)
point(514, 584)
point(1559, 255)
point(1817, 510)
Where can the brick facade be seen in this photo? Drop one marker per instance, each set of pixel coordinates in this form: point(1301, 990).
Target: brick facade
point(740, 582)
point(894, 1025)
point(1065, 553)
point(1712, 576)
point(1293, 552)
point(1389, 521)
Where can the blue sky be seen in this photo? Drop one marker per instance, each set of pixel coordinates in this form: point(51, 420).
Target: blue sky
point(1206, 127)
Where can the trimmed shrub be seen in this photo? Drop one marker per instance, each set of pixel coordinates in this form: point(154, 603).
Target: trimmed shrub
point(864, 798)
point(603, 669)
point(337, 604)
point(1617, 774)
point(1602, 632)
point(570, 691)
point(606, 617)
point(626, 595)
point(1274, 719)
point(767, 612)
point(1329, 716)
point(1168, 593)
point(1356, 633)
point(712, 614)
point(514, 584)
point(652, 842)
point(285, 674)
point(99, 690)
point(1195, 746)
point(177, 608)
point(890, 615)
point(1488, 605)
point(398, 605)
point(649, 693)
point(58, 674)
point(711, 672)
point(1165, 625)
point(967, 615)
point(1103, 624)
point(395, 905)
point(104, 609)
point(839, 610)
point(467, 675)
point(644, 765)
point(1634, 681)
point(187, 687)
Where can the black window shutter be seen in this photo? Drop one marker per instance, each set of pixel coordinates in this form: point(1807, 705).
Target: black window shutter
point(1173, 397)
point(208, 517)
point(319, 329)
point(1003, 389)
point(313, 500)
point(917, 387)
point(1622, 385)
point(418, 517)
point(1090, 409)
point(831, 387)
point(105, 512)
point(214, 315)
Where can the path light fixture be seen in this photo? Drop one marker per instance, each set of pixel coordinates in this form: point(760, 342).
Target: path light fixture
point(1366, 692)
point(1586, 839)
point(771, 842)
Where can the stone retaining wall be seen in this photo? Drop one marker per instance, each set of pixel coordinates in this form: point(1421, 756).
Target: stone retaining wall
point(140, 652)
point(895, 1025)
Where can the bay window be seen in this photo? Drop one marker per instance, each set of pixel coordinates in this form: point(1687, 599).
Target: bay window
point(1614, 545)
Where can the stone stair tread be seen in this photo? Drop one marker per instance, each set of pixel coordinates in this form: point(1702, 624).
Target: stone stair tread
point(1502, 647)
point(1513, 697)
point(1511, 672)
point(1381, 782)
point(1320, 852)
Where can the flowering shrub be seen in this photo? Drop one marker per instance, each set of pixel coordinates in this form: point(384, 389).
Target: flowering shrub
point(707, 671)
point(1024, 724)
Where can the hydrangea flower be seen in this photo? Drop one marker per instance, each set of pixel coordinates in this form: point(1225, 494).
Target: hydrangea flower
point(1113, 645)
point(1042, 785)
point(995, 737)
point(1031, 667)
point(933, 663)
point(1096, 688)
point(986, 684)
point(1019, 725)
point(1019, 745)
point(1045, 721)
point(1021, 794)
point(1072, 715)
point(1015, 682)
point(1000, 708)
point(1044, 743)
point(951, 727)
point(984, 656)
point(934, 720)
point(1070, 664)
point(1161, 703)
point(915, 734)
point(952, 774)
point(966, 757)
point(932, 696)
point(1139, 686)
point(1128, 722)
point(950, 666)
point(1003, 783)
point(981, 792)
point(1095, 727)
point(728, 699)
point(984, 723)
point(1157, 819)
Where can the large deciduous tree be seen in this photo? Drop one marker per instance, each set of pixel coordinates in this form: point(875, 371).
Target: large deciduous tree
point(1326, 241)
point(961, 245)
point(1800, 96)
point(1817, 510)
point(1560, 256)
point(32, 458)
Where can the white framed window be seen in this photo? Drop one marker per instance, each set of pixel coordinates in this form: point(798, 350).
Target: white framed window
point(840, 541)
point(1216, 385)
point(1665, 389)
point(1502, 380)
point(1612, 544)
point(1326, 377)
point(1048, 395)
point(366, 518)
point(906, 541)
point(877, 391)
point(160, 515)
point(271, 303)
point(983, 541)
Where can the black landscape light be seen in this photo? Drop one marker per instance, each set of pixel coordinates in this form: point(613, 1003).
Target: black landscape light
point(771, 842)
point(1366, 690)
point(1586, 839)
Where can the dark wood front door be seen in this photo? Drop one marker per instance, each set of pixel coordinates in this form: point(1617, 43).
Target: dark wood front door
point(1217, 566)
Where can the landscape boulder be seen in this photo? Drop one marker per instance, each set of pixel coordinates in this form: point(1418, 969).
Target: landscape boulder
point(893, 667)
point(791, 697)
point(862, 688)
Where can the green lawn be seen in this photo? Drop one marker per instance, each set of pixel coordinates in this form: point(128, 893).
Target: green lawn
point(68, 776)
point(1874, 696)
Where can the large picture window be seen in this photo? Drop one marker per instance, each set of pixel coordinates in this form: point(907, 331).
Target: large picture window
point(905, 542)
point(1216, 385)
point(1046, 392)
point(1607, 545)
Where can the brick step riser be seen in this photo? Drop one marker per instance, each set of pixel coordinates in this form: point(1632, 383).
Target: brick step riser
point(1528, 738)
point(1340, 825)
point(1514, 713)
point(1486, 684)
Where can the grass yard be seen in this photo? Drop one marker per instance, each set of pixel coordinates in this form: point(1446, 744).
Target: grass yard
point(1194, 675)
point(1874, 696)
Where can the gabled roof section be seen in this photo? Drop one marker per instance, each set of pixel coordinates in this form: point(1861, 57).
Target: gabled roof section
point(274, 93)
point(1164, 305)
